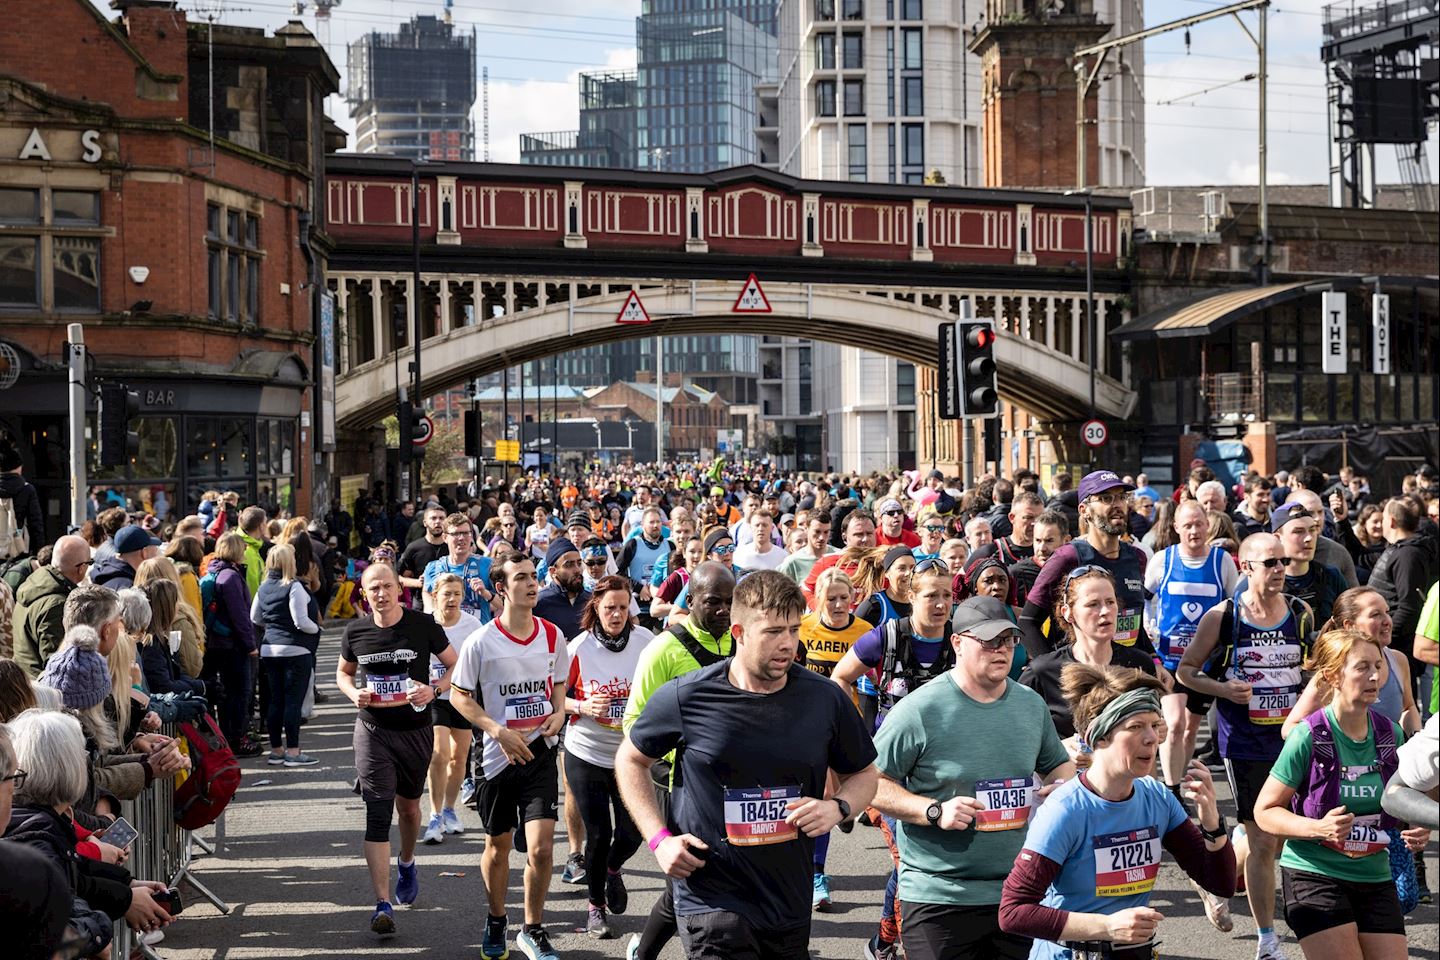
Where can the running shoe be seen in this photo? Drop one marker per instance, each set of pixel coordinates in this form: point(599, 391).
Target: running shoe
point(536, 945)
point(451, 821)
point(247, 747)
point(407, 887)
point(574, 870)
point(382, 921)
point(467, 791)
point(596, 928)
point(877, 949)
point(617, 898)
point(632, 949)
point(1270, 950)
point(1217, 909)
point(434, 831)
point(275, 759)
point(820, 898)
point(492, 945)
point(300, 760)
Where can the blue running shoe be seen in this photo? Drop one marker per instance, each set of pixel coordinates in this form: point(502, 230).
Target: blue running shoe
point(492, 945)
point(820, 897)
point(407, 888)
point(382, 921)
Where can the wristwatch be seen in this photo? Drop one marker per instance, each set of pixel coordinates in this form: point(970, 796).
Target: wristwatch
point(844, 808)
point(932, 813)
point(1217, 833)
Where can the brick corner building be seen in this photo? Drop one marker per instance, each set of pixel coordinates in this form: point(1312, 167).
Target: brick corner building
point(192, 264)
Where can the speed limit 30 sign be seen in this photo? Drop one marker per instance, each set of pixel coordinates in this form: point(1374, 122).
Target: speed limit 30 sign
point(1094, 433)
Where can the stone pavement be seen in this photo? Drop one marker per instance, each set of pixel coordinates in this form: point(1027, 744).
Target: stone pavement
point(290, 867)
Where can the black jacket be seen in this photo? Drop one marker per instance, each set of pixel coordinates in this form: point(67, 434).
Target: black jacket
point(104, 886)
point(27, 507)
point(112, 571)
point(1402, 576)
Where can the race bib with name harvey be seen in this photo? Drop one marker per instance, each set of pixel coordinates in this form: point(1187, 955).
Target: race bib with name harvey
point(1127, 863)
point(1006, 803)
point(756, 815)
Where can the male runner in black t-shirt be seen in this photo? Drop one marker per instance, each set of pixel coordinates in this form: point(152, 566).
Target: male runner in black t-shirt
point(745, 813)
point(385, 671)
point(418, 554)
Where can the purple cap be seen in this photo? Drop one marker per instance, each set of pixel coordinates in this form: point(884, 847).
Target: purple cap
point(1286, 512)
point(1098, 481)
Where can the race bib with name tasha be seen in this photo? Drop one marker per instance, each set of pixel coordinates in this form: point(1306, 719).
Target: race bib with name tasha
point(756, 815)
point(1007, 803)
point(1127, 863)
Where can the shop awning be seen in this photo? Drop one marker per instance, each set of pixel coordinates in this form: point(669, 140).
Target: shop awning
point(1206, 315)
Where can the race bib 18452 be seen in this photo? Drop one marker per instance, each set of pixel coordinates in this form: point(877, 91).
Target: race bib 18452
point(1127, 863)
point(1006, 803)
point(386, 688)
point(756, 815)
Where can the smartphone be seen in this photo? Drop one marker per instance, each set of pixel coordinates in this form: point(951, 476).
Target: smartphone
point(169, 901)
point(120, 834)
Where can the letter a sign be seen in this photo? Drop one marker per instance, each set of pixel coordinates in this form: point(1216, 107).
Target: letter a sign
point(633, 311)
point(1334, 356)
point(752, 299)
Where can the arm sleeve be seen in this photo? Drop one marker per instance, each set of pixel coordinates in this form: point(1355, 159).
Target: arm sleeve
point(1410, 588)
point(233, 594)
point(1213, 871)
point(255, 608)
point(870, 648)
point(1020, 910)
point(897, 744)
point(627, 553)
point(300, 609)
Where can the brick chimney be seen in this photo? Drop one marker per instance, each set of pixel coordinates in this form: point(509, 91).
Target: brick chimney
point(1027, 69)
point(157, 29)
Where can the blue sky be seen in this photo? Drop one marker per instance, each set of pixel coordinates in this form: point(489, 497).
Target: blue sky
point(535, 49)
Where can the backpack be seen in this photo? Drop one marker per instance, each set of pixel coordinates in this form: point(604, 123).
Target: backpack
point(702, 656)
point(14, 538)
point(210, 605)
point(1223, 656)
point(214, 775)
point(1319, 791)
point(900, 664)
point(14, 572)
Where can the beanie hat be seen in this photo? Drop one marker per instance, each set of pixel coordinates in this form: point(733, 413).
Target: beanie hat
point(558, 548)
point(78, 670)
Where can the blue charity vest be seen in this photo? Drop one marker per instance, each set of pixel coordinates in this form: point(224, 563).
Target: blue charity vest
point(1181, 599)
point(642, 564)
point(1269, 659)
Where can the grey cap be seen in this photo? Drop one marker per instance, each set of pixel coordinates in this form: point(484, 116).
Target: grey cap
point(982, 617)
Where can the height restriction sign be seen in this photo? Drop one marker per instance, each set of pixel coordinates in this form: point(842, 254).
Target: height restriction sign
point(752, 299)
point(633, 311)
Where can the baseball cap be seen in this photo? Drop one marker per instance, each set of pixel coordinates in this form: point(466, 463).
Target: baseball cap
point(1098, 481)
point(983, 617)
point(1286, 512)
point(130, 538)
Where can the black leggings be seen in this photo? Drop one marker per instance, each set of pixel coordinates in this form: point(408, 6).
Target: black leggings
point(660, 926)
point(596, 795)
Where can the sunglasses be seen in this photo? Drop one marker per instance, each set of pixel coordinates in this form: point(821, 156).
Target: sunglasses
point(932, 528)
point(1088, 568)
point(934, 563)
point(894, 513)
point(1268, 562)
point(594, 563)
point(724, 551)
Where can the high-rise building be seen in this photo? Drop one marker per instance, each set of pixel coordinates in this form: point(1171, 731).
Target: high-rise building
point(411, 92)
point(606, 137)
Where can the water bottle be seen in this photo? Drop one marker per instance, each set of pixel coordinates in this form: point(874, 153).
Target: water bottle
point(410, 687)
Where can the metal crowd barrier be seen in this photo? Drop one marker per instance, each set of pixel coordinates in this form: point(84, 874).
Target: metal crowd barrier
point(161, 851)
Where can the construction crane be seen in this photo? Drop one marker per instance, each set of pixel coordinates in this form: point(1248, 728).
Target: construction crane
point(322, 17)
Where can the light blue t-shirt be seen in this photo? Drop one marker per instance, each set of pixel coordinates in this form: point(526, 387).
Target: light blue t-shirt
point(1109, 852)
point(474, 566)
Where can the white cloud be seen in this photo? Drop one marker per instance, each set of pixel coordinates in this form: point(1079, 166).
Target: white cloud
point(538, 106)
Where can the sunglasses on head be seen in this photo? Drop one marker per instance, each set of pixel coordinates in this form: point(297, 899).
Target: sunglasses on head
point(1088, 569)
point(934, 563)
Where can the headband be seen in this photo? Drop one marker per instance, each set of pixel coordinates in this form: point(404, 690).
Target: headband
point(894, 555)
point(715, 537)
point(592, 553)
point(1129, 703)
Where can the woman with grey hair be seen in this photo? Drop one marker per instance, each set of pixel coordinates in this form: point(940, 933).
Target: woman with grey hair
point(50, 748)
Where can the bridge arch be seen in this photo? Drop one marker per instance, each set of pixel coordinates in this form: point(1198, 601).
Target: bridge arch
point(1035, 375)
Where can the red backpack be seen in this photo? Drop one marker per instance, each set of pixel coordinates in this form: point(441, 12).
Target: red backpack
point(214, 775)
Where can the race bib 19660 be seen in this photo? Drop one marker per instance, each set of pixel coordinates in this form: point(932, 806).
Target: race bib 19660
point(1127, 863)
point(386, 687)
point(1007, 803)
point(1271, 705)
point(756, 815)
point(527, 711)
point(1366, 838)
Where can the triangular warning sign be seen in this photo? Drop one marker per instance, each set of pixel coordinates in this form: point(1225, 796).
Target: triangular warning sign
point(752, 299)
point(633, 311)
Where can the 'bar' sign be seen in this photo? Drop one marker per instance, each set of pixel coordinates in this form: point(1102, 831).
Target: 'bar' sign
point(1334, 355)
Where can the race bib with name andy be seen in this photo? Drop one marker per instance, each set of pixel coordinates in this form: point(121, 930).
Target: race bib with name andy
point(1127, 627)
point(1127, 863)
point(386, 687)
point(1366, 838)
point(1006, 803)
point(1271, 705)
point(756, 815)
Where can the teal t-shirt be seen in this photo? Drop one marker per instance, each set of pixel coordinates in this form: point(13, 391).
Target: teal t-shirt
point(940, 744)
point(1360, 790)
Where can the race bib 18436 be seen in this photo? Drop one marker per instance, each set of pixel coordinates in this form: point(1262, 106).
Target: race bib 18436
point(1127, 863)
point(386, 687)
point(756, 815)
point(1006, 803)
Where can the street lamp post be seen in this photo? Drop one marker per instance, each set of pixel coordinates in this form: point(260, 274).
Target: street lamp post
point(419, 334)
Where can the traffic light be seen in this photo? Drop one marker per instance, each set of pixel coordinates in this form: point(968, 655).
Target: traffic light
point(419, 432)
point(119, 405)
point(978, 396)
point(472, 433)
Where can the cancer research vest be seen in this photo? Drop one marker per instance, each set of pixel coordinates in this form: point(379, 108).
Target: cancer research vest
point(1268, 658)
point(515, 683)
point(1182, 598)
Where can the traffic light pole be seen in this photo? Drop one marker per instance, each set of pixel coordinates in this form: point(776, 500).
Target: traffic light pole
point(78, 478)
point(419, 335)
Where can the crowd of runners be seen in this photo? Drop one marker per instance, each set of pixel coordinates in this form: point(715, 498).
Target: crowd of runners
point(1023, 691)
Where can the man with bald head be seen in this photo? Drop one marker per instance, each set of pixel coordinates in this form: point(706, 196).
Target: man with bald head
point(1247, 653)
point(40, 603)
point(702, 639)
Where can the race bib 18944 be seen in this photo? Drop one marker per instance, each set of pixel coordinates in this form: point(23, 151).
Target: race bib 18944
point(386, 688)
point(1006, 803)
point(1127, 863)
point(756, 815)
